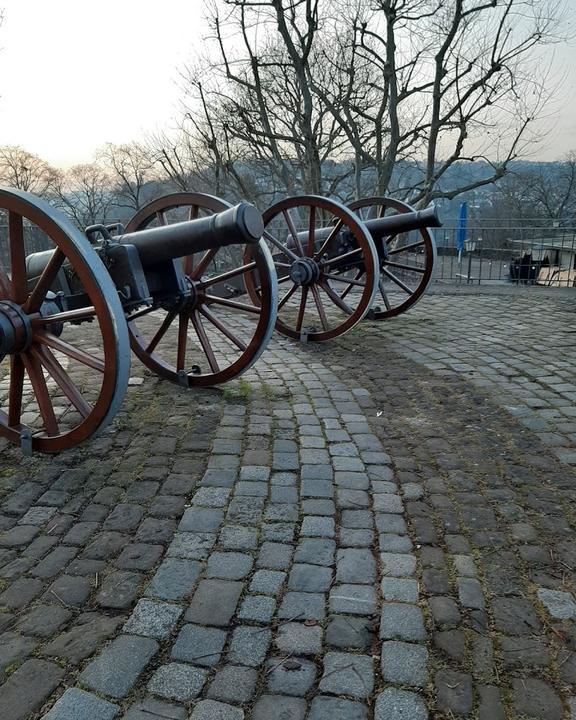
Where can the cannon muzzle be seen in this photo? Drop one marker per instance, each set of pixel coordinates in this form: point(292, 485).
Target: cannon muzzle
point(237, 225)
point(403, 222)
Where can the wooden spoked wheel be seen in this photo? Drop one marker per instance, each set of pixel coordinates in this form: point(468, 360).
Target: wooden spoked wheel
point(63, 370)
point(406, 260)
point(217, 332)
point(319, 248)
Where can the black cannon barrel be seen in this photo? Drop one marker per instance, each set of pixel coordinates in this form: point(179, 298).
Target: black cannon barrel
point(403, 222)
point(380, 227)
point(239, 224)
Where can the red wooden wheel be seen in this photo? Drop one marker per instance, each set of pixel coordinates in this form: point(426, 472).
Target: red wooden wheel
point(406, 260)
point(63, 371)
point(219, 333)
point(319, 248)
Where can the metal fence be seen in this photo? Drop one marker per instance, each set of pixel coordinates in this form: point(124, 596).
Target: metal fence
point(523, 255)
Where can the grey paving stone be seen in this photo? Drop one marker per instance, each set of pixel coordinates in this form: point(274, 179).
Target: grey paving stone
point(117, 668)
point(394, 704)
point(238, 537)
point(357, 519)
point(309, 578)
point(214, 602)
point(290, 676)
point(211, 496)
point(391, 542)
point(257, 608)
point(345, 631)
point(214, 710)
point(219, 478)
point(353, 599)
point(282, 512)
point(124, 517)
point(234, 684)
point(454, 692)
point(68, 590)
point(279, 707)
point(402, 622)
point(119, 590)
point(255, 472)
point(299, 639)
point(81, 640)
point(387, 523)
point(174, 579)
point(347, 674)
point(316, 488)
point(197, 519)
point(515, 616)
point(398, 565)
point(445, 612)
point(155, 530)
point(199, 645)
point(43, 620)
point(315, 551)
point(352, 537)
point(268, 582)
point(302, 606)
point(229, 566)
point(470, 593)
point(355, 566)
point(249, 645)
point(153, 709)
point(77, 704)
point(400, 589)
point(404, 663)
point(191, 546)
point(37, 515)
point(139, 556)
point(21, 593)
point(28, 687)
point(177, 681)
point(14, 649)
point(152, 619)
point(276, 556)
point(524, 652)
point(333, 708)
point(318, 526)
point(559, 604)
point(319, 506)
point(465, 565)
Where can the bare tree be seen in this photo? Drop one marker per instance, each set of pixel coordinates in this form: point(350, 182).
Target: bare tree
point(131, 168)
point(296, 83)
point(26, 171)
point(84, 193)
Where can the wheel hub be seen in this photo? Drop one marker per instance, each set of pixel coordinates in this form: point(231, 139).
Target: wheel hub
point(15, 329)
point(305, 271)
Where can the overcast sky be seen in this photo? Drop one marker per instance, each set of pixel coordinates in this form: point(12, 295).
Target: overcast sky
point(75, 74)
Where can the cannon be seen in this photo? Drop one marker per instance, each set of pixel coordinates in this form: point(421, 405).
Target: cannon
point(333, 262)
point(171, 285)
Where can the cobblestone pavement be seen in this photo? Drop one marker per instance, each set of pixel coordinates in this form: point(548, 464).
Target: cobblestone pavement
point(379, 527)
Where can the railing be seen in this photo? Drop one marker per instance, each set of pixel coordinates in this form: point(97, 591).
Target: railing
point(522, 255)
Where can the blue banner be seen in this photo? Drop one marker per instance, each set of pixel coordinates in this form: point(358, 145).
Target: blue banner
point(462, 224)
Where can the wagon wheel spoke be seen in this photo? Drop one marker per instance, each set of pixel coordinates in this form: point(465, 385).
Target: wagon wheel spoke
point(302, 309)
point(41, 321)
point(384, 295)
point(293, 232)
point(162, 330)
point(182, 340)
point(66, 348)
point(161, 217)
point(345, 256)
point(44, 282)
point(402, 266)
point(213, 300)
point(62, 379)
point(5, 286)
point(189, 259)
point(397, 281)
point(286, 250)
point(223, 329)
point(17, 257)
point(320, 307)
point(36, 375)
point(329, 239)
point(16, 390)
point(311, 232)
point(228, 275)
point(204, 341)
point(349, 281)
point(336, 299)
point(406, 248)
point(345, 292)
point(287, 296)
point(203, 264)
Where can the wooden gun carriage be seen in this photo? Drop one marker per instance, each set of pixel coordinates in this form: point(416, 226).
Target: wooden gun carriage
point(191, 285)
